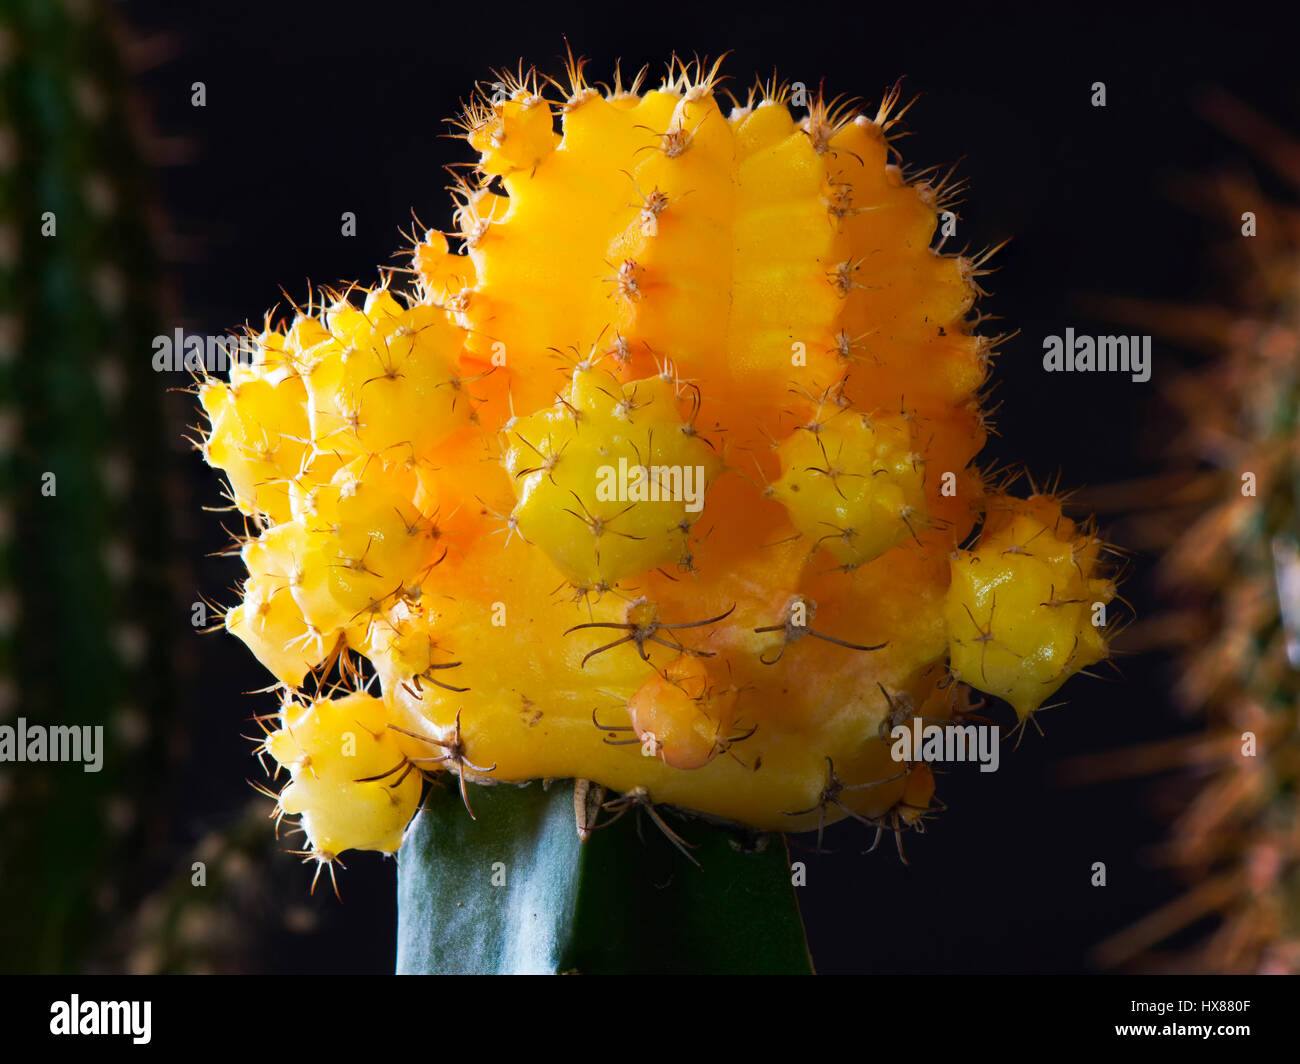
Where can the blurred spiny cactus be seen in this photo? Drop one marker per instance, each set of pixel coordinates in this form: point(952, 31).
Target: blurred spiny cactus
point(661, 478)
point(88, 620)
point(1227, 522)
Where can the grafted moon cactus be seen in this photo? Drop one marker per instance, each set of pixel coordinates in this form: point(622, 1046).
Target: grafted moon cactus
point(660, 476)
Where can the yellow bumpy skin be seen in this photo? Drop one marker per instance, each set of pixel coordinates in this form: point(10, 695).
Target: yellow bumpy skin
point(618, 460)
point(661, 476)
point(1026, 609)
point(338, 753)
point(855, 485)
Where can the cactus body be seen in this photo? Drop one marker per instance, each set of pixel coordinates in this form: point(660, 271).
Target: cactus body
point(661, 478)
point(1228, 531)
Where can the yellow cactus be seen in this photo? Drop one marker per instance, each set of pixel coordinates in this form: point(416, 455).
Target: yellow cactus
point(338, 753)
point(1024, 607)
point(659, 478)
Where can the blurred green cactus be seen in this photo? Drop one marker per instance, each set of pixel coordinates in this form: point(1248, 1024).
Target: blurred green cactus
point(88, 623)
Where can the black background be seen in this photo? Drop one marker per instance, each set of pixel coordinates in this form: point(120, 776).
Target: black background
point(318, 108)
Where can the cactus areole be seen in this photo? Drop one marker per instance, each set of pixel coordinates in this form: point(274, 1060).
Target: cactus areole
point(660, 475)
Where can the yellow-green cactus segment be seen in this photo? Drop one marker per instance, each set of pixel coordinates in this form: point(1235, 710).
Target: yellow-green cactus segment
point(610, 479)
point(1026, 607)
point(366, 540)
point(259, 437)
point(271, 625)
point(340, 754)
point(854, 484)
point(743, 299)
point(383, 379)
point(269, 619)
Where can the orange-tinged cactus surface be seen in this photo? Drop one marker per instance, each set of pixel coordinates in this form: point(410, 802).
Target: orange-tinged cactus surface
point(661, 475)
